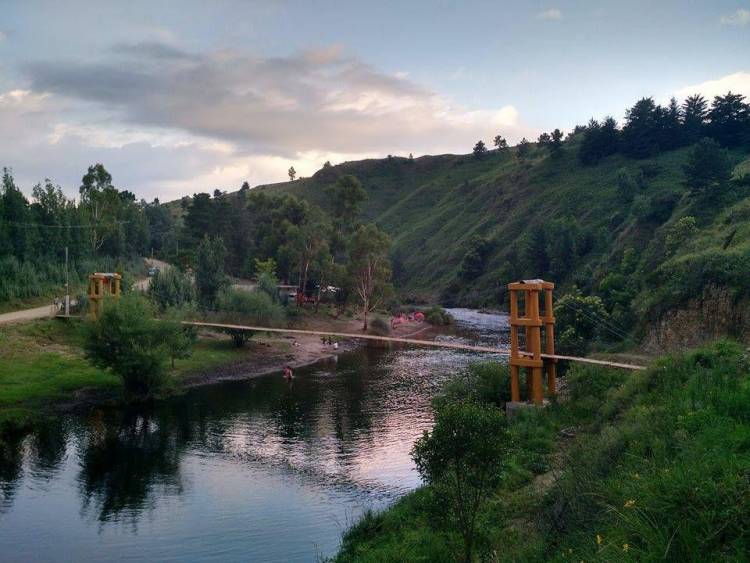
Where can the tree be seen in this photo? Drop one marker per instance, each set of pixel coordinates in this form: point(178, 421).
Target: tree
point(347, 196)
point(327, 164)
point(641, 133)
point(544, 140)
point(500, 143)
point(535, 252)
point(581, 321)
point(523, 148)
point(556, 140)
point(729, 119)
point(461, 460)
point(171, 288)
point(292, 173)
point(209, 272)
point(694, 116)
point(480, 149)
point(245, 186)
point(179, 339)
point(599, 140)
point(474, 260)
point(238, 306)
point(100, 202)
point(708, 167)
point(15, 209)
point(129, 341)
point(369, 266)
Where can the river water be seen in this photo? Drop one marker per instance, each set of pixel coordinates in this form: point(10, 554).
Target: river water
point(254, 470)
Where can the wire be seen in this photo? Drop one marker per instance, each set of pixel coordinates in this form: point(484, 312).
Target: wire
point(611, 327)
point(40, 225)
point(600, 322)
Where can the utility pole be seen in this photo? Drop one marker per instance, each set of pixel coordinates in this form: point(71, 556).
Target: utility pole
point(67, 286)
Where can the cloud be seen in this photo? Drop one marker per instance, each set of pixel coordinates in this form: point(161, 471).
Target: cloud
point(739, 83)
point(253, 115)
point(740, 18)
point(166, 121)
point(550, 14)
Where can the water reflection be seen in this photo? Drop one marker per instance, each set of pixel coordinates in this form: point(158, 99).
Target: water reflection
point(126, 460)
point(249, 470)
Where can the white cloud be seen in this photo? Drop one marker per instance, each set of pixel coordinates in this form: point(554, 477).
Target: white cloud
point(550, 14)
point(738, 83)
point(193, 122)
point(741, 17)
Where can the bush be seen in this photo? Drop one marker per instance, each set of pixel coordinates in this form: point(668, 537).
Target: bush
point(171, 288)
point(379, 327)
point(438, 316)
point(236, 306)
point(461, 460)
point(485, 382)
point(129, 341)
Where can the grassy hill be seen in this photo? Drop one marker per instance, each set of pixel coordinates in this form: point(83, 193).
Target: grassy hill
point(433, 206)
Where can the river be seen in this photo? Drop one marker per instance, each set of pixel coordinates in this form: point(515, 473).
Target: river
point(255, 470)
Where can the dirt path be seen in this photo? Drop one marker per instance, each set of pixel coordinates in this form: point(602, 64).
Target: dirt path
point(44, 312)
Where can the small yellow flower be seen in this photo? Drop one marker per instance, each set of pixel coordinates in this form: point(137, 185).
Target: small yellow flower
point(629, 503)
point(570, 550)
point(625, 547)
point(599, 539)
point(637, 475)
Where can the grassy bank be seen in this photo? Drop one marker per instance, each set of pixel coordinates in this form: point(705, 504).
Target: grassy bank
point(647, 466)
point(42, 365)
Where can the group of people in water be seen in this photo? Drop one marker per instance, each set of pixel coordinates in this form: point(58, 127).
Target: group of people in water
point(329, 341)
point(288, 373)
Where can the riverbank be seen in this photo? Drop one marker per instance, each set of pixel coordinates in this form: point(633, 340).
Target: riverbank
point(43, 369)
point(631, 466)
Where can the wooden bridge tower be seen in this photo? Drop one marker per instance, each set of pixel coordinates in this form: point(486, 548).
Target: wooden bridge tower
point(534, 321)
point(102, 285)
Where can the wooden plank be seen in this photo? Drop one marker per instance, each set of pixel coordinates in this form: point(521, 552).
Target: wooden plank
point(432, 343)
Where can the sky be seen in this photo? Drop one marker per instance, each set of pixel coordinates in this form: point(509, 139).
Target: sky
point(182, 97)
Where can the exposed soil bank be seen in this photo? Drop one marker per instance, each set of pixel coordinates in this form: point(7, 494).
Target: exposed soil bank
point(273, 353)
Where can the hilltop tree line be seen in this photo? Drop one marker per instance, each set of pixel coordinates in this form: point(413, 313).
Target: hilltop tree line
point(649, 129)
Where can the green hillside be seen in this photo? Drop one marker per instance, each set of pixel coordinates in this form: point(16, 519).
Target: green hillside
point(433, 206)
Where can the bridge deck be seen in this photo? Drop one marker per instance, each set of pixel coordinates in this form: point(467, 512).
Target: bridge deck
point(433, 343)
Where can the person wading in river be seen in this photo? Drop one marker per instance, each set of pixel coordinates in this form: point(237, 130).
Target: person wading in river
point(288, 374)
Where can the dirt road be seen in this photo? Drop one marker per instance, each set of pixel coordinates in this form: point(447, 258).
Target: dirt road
point(48, 311)
point(28, 314)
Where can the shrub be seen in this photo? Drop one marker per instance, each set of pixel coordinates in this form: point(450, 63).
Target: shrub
point(485, 382)
point(179, 338)
point(379, 327)
point(438, 316)
point(461, 459)
point(129, 341)
point(682, 231)
point(236, 306)
point(171, 288)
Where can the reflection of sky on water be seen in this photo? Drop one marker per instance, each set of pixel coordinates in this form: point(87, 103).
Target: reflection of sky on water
point(250, 470)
